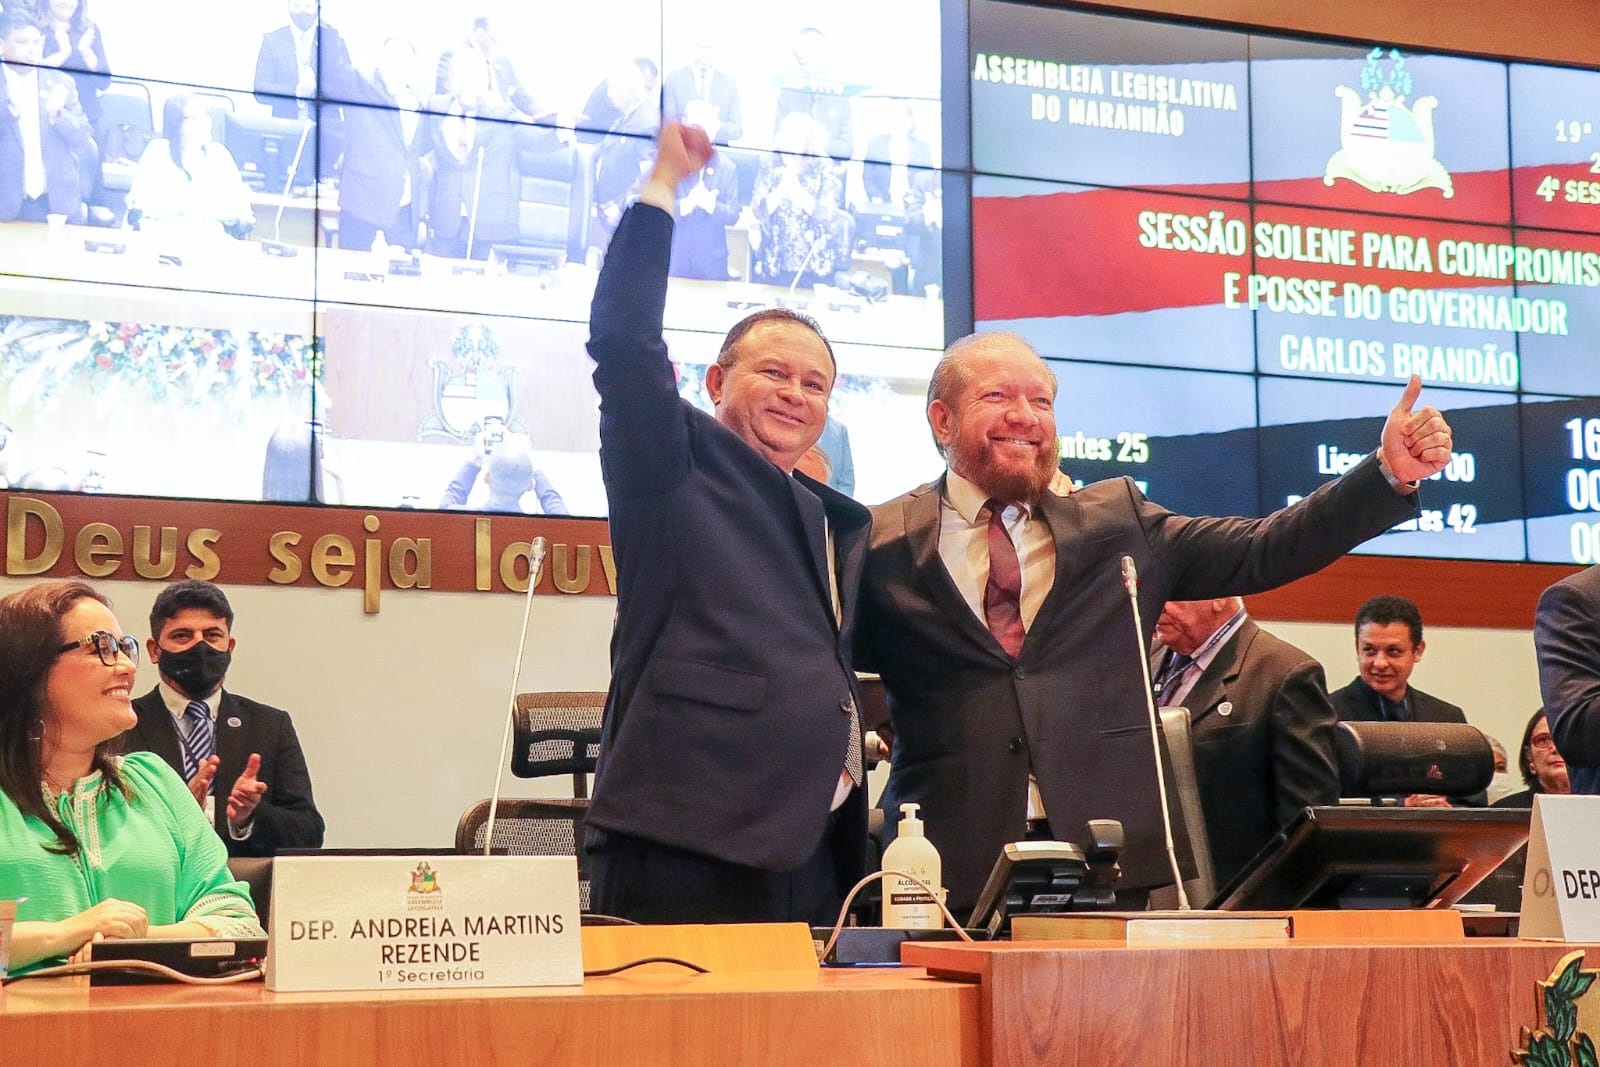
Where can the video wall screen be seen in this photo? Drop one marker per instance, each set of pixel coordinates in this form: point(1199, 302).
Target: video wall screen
point(353, 245)
point(1237, 247)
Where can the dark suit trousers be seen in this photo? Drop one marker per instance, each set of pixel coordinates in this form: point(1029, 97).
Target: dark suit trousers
point(34, 209)
point(647, 882)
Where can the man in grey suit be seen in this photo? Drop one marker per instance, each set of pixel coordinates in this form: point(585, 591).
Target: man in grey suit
point(993, 606)
point(1260, 721)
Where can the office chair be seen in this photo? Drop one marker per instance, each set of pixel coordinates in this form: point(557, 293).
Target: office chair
point(529, 826)
point(124, 130)
point(553, 197)
point(255, 872)
point(1378, 759)
point(557, 733)
point(554, 734)
point(1185, 782)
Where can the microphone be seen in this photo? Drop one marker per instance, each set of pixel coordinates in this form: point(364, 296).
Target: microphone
point(276, 247)
point(1130, 582)
point(536, 552)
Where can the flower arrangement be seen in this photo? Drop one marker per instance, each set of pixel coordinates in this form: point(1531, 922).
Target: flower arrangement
point(167, 364)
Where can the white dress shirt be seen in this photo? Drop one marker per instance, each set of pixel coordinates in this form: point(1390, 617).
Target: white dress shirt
point(1176, 690)
point(22, 88)
point(964, 548)
point(177, 703)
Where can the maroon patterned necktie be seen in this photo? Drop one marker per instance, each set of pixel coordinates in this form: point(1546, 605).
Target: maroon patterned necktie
point(1002, 595)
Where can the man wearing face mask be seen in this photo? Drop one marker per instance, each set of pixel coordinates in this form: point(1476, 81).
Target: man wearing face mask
point(240, 758)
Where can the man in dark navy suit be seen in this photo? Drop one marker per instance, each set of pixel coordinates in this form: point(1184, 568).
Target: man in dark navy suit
point(381, 181)
point(289, 58)
point(729, 780)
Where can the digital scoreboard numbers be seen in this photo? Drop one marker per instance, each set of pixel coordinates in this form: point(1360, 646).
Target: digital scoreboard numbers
point(1561, 470)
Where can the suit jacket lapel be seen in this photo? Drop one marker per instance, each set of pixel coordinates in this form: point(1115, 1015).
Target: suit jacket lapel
point(1060, 516)
point(158, 730)
point(1214, 682)
point(922, 519)
point(231, 749)
point(850, 556)
point(814, 529)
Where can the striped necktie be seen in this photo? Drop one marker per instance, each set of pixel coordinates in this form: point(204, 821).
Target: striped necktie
point(814, 516)
point(197, 741)
point(1002, 593)
point(1171, 675)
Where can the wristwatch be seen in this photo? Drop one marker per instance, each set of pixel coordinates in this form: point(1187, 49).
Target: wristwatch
point(1388, 475)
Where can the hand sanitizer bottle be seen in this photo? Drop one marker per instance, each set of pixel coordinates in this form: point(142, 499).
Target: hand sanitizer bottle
point(906, 905)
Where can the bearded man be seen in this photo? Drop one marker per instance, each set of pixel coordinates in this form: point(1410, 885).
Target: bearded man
point(994, 608)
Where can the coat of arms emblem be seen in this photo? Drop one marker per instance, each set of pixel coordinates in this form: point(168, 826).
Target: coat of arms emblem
point(1384, 144)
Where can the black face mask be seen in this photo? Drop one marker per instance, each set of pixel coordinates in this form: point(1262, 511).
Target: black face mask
point(197, 670)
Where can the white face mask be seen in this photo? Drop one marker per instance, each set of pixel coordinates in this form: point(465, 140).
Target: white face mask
point(1503, 784)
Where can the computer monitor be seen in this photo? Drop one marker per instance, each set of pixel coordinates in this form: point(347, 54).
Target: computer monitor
point(1376, 857)
point(880, 225)
point(264, 147)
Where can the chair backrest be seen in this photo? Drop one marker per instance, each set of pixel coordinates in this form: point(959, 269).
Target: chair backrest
point(526, 826)
point(1186, 783)
point(558, 733)
point(255, 872)
point(1395, 758)
point(126, 103)
point(553, 200)
point(220, 107)
point(124, 130)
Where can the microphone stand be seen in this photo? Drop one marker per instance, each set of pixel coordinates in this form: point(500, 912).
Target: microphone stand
point(536, 551)
point(276, 246)
point(477, 193)
point(1130, 582)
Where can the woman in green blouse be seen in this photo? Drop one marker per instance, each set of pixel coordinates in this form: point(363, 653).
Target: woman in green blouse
point(100, 846)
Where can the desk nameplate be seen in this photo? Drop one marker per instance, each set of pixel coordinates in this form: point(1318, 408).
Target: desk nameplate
point(420, 922)
point(1561, 884)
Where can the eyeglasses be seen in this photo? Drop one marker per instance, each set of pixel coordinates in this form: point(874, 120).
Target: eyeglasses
point(106, 645)
point(1542, 741)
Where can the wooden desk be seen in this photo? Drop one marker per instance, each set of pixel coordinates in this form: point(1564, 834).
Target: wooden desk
point(656, 1015)
point(1342, 1004)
